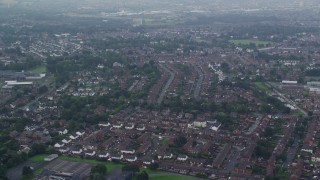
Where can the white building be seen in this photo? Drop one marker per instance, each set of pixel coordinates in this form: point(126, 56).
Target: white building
point(90, 153)
point(141, 128)
point(103, 155)
point(104, 124)
point(168, 156)
point(51, 157)
point(289, 82)
point(76, 151)
point(116, 157)
point(182, 158)
point(57, 145)
point(118, 126)
point(80, 133)
point(129, 126)
point(126, 151)
point(65, 131)
point(64, 150)
point(131, 158)
point(66, 141)
point(200, 124)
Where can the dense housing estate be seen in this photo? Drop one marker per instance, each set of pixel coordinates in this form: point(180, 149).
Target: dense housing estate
point(198, 95)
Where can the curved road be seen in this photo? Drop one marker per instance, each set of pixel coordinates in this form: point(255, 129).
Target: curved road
point(166, 87)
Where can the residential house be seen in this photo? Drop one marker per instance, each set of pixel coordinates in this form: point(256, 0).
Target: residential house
point(182, 158)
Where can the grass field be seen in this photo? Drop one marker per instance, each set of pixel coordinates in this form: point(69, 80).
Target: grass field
point(39, 69)
point(298, 113)
point(38, 157)
point(164, 142)
point(38, 171)
point(149, 171)
point(262, 86)
point(173, 177)
point(110, 165)
point(249, 41)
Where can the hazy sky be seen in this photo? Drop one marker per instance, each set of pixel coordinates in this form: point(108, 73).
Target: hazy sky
point(167, 4)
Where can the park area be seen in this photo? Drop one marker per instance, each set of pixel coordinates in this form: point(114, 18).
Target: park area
point(39, 69)
point(82, 167)
point(263, 87)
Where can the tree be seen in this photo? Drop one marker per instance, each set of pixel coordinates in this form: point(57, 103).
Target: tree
point(225, 67)
point(98, 172)
point(143, 176)
point(27, 173)
point(200, 175)
point(3, 172)
point(43, 89)
point(180, 141)
point(37, 149)
point(130, 167)
point(154, 166)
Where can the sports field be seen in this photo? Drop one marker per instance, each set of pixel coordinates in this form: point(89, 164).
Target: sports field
point(39, 69)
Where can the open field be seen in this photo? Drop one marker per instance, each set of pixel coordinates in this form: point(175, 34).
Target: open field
point(38, 171)
point(298, 113)
point(38, 158)
point(262, 86)
point(249, 41)
point(39, 69)
point(110, 165)
point(164, 142)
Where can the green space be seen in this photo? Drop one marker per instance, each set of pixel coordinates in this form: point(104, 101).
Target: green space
point(38, 171)
point(38, 158)
point(164, 142)
point(298, 113)
point(249, 41)
point(39, 69)
point(150, 171)
point(263, 87)
point(173, 177)
point(110, 165)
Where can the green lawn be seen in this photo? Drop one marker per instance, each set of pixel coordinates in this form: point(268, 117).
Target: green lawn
point(110, 165)
point(149, 171)
point(173, 177)
point(39, 69)
point(164, 142)
point(249, 41)
point(298, 113)
point(262, 86)
point(37, 158)
point(38, 171)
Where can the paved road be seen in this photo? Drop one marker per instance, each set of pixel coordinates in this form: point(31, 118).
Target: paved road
point(232, 160)
point(291, 153)
point(198, 83)
point(166, 87)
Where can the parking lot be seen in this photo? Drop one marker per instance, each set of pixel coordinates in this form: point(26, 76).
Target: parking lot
point(78, 169)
